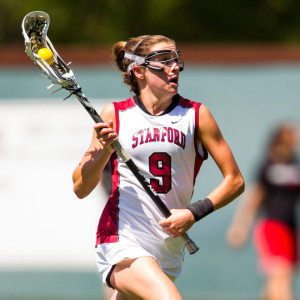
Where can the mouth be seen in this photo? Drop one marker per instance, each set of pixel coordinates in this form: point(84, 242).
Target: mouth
point(174, 80)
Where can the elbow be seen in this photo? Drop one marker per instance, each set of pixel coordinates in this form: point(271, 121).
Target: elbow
point(79, 191)
point(240, 185)
point(78, 186)
point(79, 195)
point(82, 188)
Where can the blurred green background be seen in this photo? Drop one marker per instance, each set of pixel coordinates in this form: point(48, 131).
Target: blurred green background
point(47, 235)
point(106, 21)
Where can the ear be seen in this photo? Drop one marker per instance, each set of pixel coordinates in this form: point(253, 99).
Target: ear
point(139, 72)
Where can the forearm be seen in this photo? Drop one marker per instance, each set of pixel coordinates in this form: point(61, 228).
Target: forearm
point(229, 189)
point(88, 173)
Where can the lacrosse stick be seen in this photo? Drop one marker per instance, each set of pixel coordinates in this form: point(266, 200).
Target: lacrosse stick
point(34, 28)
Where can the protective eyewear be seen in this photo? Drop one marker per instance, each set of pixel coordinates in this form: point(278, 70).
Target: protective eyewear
point(156, 60)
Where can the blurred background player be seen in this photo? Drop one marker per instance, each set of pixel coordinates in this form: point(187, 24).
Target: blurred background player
point(275, 194)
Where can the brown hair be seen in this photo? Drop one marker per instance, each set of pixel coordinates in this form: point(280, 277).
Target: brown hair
point(283, 141)
point(144, 44)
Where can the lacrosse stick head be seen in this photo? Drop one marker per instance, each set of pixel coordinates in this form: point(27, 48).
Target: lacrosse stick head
point(34, 29)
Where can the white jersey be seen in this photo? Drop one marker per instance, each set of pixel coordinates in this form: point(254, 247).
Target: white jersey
point(165, 151)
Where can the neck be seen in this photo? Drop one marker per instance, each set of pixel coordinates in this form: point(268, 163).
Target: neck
point(175, 101)
point(155, 105)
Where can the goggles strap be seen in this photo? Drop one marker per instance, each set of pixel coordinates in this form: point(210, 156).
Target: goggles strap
point(138, 43)
point(137, 60)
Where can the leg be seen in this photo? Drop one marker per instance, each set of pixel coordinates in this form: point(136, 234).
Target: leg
point(142, 278)
point(277, 247)
point(108, 293)
point(117, 296)
point(279, 286)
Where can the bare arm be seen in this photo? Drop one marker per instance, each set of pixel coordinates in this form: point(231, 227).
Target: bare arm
point(88, 173)
point(238, 231)
point(211, 137)
point(231, 186)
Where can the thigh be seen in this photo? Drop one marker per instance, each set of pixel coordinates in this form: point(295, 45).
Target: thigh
point(142, 278)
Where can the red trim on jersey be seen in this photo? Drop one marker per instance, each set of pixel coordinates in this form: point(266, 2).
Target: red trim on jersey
point(199, 158)
point(107, 231)
point(117, 121)
point(122, 105)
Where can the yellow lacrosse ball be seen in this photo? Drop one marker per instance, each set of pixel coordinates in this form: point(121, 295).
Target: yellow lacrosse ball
point(47, 55)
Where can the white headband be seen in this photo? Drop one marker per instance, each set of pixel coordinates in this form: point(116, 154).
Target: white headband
point(137, 60)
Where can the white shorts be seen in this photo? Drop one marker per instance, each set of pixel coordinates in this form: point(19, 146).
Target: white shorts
point(110, 254)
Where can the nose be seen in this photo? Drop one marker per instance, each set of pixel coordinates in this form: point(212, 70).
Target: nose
point(177, 64)
point(174, 65)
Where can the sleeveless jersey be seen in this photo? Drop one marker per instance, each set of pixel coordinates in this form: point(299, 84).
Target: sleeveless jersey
point(164, 149)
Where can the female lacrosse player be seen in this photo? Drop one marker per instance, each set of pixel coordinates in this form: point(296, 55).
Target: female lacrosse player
point(275, 194)
point(140, 253)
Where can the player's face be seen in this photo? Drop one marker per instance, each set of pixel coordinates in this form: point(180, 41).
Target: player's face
point(163, 82)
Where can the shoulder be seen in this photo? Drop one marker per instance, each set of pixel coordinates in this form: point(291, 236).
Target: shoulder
point(125, 104)
point(108, 112)
point(205, 114)
point(208, 126)
point(189, 103)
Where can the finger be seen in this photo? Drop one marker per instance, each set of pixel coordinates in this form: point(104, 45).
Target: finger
point(173, 231)
point(104, 132)
point(176, 233)
point(162, 222)
point(100, 125)
point(166, 228)
point(110, 124)
point(108, 139)
point(111, 141)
